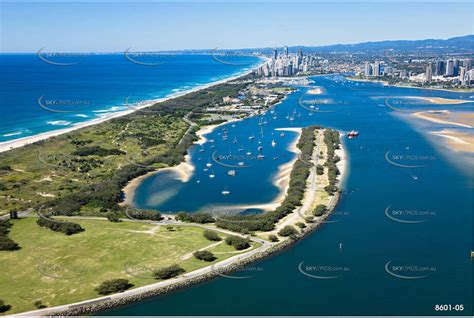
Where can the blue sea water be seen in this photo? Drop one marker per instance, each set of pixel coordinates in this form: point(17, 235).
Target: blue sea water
point(40, 93)
point(398, 242)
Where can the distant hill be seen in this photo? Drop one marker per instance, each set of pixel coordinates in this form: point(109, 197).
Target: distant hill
point(460, 44)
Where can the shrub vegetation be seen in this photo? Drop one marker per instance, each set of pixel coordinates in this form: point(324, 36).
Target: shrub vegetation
point(204, 256)
point(168, 272)
point(113, 286)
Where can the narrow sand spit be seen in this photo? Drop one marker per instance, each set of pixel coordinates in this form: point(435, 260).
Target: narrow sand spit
point(462, 119)
point(457, 141)
point(440, 100)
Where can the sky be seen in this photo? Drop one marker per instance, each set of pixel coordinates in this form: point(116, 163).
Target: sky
point(116, 26)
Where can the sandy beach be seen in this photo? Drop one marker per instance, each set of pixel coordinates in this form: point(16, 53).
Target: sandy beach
point(20, 142)
point(461, 119)
point(441, 101)
point(343, 164)
point(315, 91)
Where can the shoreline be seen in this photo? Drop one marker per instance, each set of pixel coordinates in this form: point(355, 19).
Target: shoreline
point(20, 142)
point(343, 164)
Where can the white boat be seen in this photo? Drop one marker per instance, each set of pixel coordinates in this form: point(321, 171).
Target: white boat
point(241, 163)
point(273, 143)
point(212, 175)
point(201, 150)
point(248, 153)
point(282, 135)
point(231, 173)
point(260, 156)
point(260, 148)
point(208, 164)
point(252, 137)
point(226, 192)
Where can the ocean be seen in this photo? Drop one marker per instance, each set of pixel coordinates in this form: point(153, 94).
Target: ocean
point(49, 91)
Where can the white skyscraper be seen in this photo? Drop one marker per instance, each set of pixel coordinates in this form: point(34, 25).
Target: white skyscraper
point(449, 68)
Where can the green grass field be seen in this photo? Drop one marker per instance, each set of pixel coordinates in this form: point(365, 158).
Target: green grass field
point(59, 269)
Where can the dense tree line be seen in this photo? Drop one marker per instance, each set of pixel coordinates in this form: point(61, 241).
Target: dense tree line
point(332, 141)
point(6, 243)
point(145, 215)
point(298, 177)
point(66, 227)
point(199, 217)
